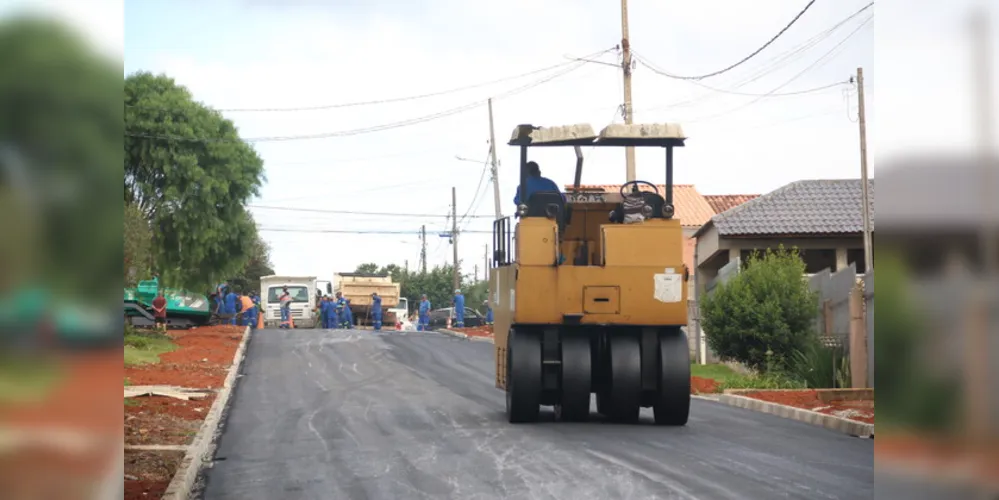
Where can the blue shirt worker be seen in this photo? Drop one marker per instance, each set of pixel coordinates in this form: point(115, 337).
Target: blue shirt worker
point(489, 312)
point(424, 319)
point(230, 306)
point(348, 315)
point(459, 309)
point(536, 183)
point(376, 311)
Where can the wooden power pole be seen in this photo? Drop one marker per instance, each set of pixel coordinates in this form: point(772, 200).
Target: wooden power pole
point(629, 152)
point(423, 249)
point(866, 209)
point(495, 163)
point(454, 236)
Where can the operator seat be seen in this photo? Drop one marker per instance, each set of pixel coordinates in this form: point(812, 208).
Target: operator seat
point(652, 200)
point(549, 204)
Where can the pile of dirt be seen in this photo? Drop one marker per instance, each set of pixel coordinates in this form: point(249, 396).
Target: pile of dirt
point(808, 399)
point(700, 385)
point(158, 470)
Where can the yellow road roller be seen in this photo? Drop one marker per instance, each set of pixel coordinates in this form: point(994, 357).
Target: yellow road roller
point(589, 289)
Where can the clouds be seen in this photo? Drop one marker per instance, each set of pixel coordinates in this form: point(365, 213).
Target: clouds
point(266, 56)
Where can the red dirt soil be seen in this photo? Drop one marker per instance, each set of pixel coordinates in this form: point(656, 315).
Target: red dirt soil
point(861, 411)
point(937, 453)
point(154, 469)
point(83, 400)
point(200, 361)
point(476, 331)
point(700, 385)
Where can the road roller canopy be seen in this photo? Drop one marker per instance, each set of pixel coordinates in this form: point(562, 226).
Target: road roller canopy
point(616, 135)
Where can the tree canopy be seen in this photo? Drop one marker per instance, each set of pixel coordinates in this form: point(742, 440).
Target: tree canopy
point(59, 140)
point(190, 175)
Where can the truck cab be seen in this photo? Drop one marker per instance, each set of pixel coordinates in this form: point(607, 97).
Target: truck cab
point(303, 299)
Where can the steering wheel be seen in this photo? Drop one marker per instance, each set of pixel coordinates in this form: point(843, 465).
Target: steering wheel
point(636, 183)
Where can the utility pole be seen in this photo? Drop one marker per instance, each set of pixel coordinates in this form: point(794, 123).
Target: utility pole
point(977, 392)
point(495, 162)
point(866, 209)
point(485, 260)
point(476, 272)
point(454, 235)
point(423, 249)
point(629, 152)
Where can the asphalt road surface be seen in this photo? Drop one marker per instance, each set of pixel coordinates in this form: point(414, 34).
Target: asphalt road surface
point(333, 414)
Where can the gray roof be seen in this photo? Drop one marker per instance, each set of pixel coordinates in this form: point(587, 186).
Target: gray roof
point(809, 207)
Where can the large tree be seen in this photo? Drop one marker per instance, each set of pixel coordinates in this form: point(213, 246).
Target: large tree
point(257, 265)
point(190, 175)
point(59, 133)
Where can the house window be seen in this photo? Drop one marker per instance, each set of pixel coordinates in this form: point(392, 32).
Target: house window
point(856, 257)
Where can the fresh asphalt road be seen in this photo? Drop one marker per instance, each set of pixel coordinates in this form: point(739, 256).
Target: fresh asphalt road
point(334, 414)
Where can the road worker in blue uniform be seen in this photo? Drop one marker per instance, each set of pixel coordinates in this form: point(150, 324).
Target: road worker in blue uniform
point(337, 305)
point(376, 311)
point(348, 315)
point(535, 183)
point(322, 309)
point(459, 309)
point(230, 306)
point(489, 312)
point(424, 319)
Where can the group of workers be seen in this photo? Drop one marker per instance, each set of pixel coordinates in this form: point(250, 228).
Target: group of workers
point(236, 308)
point(458, 311)
point(334, 312)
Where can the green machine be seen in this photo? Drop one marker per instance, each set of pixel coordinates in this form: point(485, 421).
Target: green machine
point(184, 308)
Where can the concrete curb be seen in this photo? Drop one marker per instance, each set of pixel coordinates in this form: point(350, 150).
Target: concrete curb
point(832, 422)
point(460, 335)
point(203, 447)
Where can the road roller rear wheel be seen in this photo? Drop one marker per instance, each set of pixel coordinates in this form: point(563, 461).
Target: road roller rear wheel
point(625, 384)
point(672, 406)
point(523, 376)
point(576, 379)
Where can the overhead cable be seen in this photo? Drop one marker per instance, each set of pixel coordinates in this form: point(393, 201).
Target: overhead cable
point(366, 130)
point(750, 56)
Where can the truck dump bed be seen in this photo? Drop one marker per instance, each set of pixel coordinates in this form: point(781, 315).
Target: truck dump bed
point(358, 287)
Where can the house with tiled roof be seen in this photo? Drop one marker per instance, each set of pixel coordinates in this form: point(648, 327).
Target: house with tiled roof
point(822, 218)
point(724, 202)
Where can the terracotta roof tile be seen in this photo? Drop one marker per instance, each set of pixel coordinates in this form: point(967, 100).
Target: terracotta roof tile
point(723, 202)
point(691, 207)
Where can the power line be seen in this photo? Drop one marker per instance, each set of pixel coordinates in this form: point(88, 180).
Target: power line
point(482, 176)
point(767, 68)
point(397, 99)
point(354, 231)
point(352, 212)
point(366, 130)
point(812, 90)
point(821, 59)
point(750, 56)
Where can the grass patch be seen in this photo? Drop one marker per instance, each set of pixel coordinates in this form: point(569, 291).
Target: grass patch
point(143, 348)
point(765, 381)
point(717, 372)
point(26, 379)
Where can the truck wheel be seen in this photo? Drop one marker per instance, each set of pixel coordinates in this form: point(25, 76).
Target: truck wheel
point(523, 376)
point(672, 406)
point(625, 384)
point(574, 405)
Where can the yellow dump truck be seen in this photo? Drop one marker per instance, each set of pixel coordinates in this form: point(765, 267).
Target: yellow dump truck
point(358, 287)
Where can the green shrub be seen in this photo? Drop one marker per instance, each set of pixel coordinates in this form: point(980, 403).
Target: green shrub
point(820, 367)
point(768, 307)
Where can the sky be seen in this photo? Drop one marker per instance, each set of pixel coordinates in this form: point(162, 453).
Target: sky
point(254, 59)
